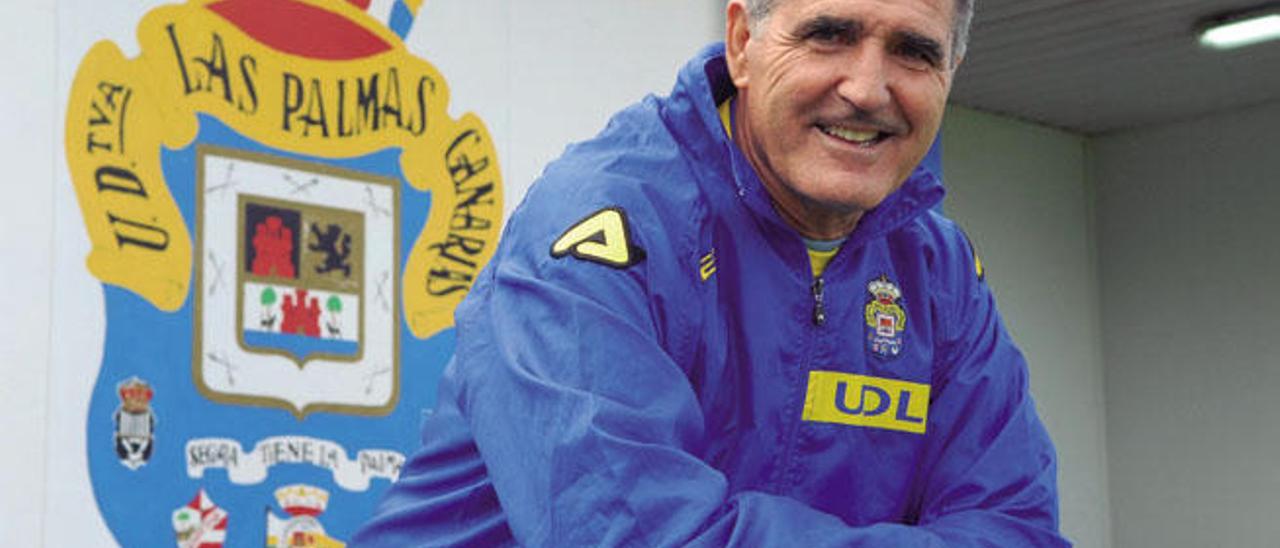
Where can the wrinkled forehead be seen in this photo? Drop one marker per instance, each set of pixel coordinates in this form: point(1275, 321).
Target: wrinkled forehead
point(929, 19)
point(940, 13)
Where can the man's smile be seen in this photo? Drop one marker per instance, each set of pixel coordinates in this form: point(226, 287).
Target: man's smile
point(858, 136)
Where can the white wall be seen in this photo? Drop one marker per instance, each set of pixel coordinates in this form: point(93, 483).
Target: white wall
point(1019, 192)
point(1190, 259)
point(26, 233)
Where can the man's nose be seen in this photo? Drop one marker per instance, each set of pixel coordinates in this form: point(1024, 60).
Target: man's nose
point(866, 79)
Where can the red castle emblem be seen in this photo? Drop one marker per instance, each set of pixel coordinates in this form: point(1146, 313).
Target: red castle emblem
point(301, 315)
point(273, 248)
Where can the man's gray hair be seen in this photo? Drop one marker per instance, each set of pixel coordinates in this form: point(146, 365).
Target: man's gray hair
point(758, 10)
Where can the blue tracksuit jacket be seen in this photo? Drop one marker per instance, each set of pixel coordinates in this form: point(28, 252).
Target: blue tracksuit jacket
point(649, 361)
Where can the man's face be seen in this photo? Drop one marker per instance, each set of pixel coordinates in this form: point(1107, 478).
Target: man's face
point(839, 101)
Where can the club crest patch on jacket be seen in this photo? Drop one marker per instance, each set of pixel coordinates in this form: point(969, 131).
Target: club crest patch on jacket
point(886, 319)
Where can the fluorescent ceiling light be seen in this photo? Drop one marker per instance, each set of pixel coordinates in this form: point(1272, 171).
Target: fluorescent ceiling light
point(1242, 30)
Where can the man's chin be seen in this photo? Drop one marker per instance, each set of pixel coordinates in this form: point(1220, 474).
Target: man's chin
point(854, 195)
point(842, 205)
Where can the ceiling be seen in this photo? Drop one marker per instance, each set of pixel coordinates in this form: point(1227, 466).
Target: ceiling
point(1096, 66)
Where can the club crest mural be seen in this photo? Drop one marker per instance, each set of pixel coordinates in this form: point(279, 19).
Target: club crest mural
point(283, 216)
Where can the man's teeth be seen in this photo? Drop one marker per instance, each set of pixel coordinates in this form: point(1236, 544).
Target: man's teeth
point(860, 137)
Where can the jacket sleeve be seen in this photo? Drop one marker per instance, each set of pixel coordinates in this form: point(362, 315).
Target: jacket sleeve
point(991, 473)
point(591, 431)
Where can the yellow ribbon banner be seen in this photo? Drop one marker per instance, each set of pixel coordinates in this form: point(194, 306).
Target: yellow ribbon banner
point(122, 112)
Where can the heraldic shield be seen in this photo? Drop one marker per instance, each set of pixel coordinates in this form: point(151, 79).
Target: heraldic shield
point(283, 216)
point(296, 302)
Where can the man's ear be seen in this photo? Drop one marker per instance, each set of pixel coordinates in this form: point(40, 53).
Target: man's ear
point(737, 32)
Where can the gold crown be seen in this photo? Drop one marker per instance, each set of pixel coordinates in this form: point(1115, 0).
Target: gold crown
point(300, 499)
point(135, 394)
point(884, 290)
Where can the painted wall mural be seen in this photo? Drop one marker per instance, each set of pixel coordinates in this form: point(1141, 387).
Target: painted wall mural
point(283, 216)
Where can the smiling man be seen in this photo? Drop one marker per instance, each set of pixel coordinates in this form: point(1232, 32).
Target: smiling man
point(733, 318)
point(839, 101)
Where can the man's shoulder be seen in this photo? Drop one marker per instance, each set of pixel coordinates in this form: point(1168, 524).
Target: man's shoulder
point(627, 199)
point(635, 167)
point(947, 251)
point(636, 149)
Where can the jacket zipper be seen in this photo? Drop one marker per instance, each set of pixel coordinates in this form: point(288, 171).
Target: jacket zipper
point(819, 312)
point(785, 479)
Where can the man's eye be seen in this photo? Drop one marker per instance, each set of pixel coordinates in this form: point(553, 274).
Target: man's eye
point(918, 55)
point(825, 35)
point(829, 31)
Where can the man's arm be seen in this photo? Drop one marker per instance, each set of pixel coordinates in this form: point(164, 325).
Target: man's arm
point(991, 468)
point(591, 432)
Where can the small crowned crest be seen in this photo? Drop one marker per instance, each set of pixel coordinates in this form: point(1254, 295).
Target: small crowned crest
point(302, 500)
point(135, 395)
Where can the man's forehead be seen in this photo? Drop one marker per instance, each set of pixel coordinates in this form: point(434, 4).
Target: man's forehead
point(935, 15)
